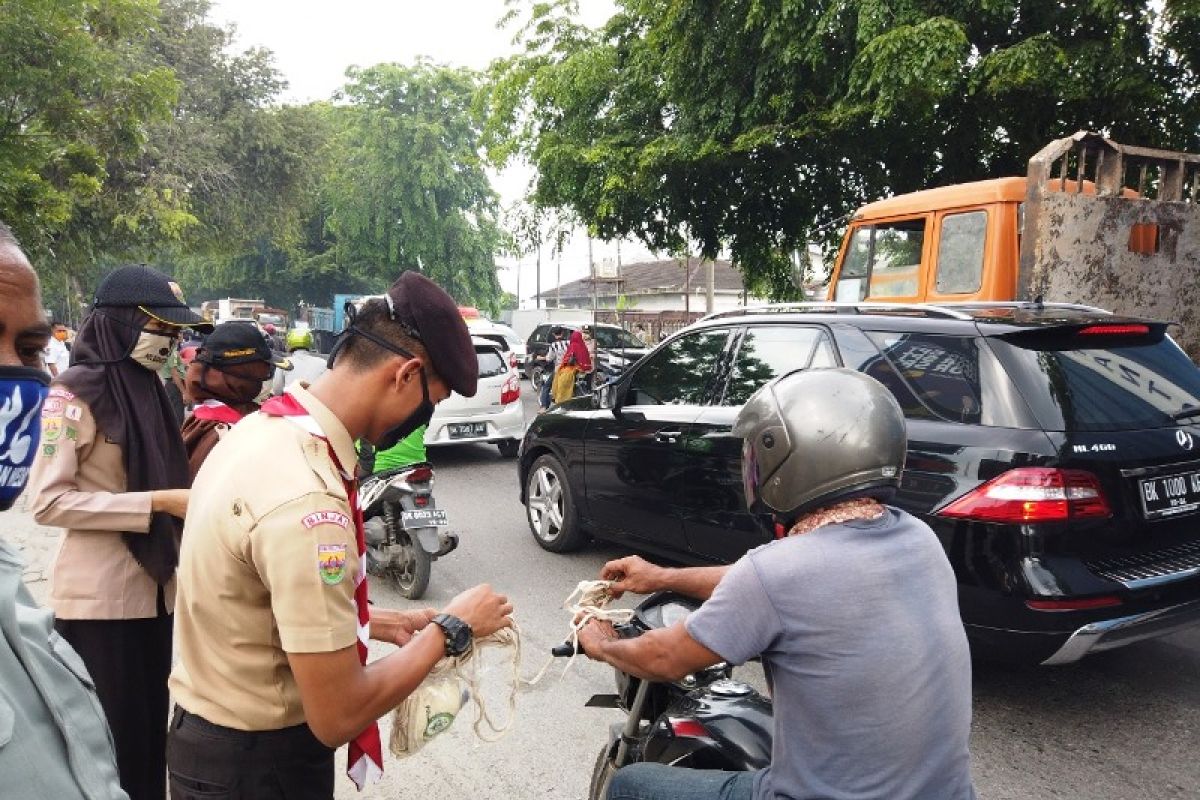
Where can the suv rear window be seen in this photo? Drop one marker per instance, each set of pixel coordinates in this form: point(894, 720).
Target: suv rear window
point(1129, 387)
point(491, 363)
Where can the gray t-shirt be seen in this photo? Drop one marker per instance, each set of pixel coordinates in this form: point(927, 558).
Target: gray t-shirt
point(860, 636)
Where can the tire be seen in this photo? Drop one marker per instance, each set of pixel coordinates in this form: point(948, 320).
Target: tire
point(601, 775)
point(550, 508)
point(537, 375)
point(413, 579)
point(508, 448)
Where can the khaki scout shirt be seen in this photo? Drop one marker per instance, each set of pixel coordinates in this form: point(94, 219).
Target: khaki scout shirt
point(268, 568)
point(78, 483)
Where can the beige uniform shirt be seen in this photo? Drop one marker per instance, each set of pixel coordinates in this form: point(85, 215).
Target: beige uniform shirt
point(268, 567)
point(78, 483)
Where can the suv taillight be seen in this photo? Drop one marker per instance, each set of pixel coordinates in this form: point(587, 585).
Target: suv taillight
point(1033, 494)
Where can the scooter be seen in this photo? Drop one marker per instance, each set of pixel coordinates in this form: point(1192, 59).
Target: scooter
point(403, 527)
point(704, 721)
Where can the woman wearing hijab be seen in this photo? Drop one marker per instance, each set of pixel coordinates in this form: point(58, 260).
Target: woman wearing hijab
point(224, 380)
point(577, 359)
point(112, 471)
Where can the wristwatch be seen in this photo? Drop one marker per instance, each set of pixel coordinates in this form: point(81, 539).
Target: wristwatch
point(458, 634)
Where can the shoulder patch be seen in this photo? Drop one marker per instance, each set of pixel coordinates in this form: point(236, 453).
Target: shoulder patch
point(53, 407)
point(331, 563)
point(330, 517)
point(74, 413)
point(52, 429)
point(58, 391)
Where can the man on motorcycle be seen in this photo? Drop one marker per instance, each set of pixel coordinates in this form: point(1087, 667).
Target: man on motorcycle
point(853, 612)
point(306, 366)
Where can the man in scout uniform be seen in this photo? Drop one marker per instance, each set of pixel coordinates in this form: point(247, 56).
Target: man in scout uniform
point(272, 627)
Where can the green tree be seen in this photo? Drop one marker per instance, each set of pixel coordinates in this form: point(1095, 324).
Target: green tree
point(747, 124)
point(408, 189)
point(75, 101)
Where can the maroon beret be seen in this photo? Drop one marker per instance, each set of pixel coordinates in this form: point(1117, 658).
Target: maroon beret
point(433, 317)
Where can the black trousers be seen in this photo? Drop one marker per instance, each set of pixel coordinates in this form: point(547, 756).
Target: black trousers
point(130, 660)
point(212, 762)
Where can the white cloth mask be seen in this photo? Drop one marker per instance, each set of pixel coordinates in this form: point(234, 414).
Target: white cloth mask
point(152, 350)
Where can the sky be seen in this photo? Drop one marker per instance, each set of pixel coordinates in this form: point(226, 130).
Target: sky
point(314, 41)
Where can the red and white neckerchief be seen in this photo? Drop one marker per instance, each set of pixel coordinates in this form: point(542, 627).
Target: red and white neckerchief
point(217, 411)
point(366, 749)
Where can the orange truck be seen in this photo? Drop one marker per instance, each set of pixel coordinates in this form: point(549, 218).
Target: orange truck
point(1093, 222)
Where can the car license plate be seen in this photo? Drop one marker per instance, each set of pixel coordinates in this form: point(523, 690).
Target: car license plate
point(1168, 495)
point(424, 518)
point(468, 430)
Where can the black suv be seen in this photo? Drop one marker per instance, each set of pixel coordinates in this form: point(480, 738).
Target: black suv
point(1053, 449)
point(616, 348)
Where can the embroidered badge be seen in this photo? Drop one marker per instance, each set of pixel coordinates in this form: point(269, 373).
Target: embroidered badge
point(74, 413)
point(52, 429)
point(49, 450)
point(53, 407)
point(331, 563)
point(57, 391)
point(325, 518)
point(72, 434)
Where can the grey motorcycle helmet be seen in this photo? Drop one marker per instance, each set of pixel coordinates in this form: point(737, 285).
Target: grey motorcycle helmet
point(815, 436)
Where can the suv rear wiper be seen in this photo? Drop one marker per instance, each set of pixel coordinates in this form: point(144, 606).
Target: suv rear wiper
point(1193, 411)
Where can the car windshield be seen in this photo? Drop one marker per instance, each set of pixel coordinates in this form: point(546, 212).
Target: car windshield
point(491, 363)
point(616, 338)
point(1130, 387)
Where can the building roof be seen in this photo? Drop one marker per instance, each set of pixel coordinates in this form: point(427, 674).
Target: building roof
point(655, 277)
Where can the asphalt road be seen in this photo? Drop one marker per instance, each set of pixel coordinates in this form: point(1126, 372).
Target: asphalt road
point(1124, 724)
point(1119, 725)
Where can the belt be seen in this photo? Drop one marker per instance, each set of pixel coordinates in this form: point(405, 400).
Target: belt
point(284, 739)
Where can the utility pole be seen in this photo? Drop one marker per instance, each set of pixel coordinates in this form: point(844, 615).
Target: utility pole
point(558, 282)
point(687, 283)
point(711, 279)
point(537, 301)
point(592, 267)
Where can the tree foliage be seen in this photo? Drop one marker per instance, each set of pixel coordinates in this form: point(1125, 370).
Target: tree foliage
point(747, 124)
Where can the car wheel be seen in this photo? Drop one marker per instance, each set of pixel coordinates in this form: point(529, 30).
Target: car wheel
point(550, 508)
point(508, 448)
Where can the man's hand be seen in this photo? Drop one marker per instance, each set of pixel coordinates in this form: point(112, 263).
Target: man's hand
point(633, 574)
point(592, 634)
point(408, 623)
point(481, 608)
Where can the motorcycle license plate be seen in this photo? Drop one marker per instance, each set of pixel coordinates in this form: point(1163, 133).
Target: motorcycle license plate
point(468, 430)
point(424, 518)
point(1168, 495)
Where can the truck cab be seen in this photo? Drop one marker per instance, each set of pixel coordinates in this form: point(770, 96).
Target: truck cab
point(955, 243)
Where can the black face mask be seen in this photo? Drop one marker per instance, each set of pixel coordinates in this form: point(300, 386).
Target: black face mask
point(415, 420)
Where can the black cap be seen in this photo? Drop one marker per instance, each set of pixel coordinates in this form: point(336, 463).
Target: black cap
point(238, 343)
point(151, 291)
point(433, 318)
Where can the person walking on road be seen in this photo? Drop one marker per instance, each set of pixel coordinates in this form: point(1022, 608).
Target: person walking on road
point(112, 471)
point(306, 365)
point(871, 681)
point(273, 619)
point(224, 379)
point(55, 743)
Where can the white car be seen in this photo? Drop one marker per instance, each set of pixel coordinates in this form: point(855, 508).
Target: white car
point(495, 414)
point(506, 337)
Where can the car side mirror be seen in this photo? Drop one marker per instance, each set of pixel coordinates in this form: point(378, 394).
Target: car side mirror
point(606, 396)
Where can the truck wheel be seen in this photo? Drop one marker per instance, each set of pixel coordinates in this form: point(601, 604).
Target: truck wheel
point(550, 508)
point(602, 774)
point(508, 448)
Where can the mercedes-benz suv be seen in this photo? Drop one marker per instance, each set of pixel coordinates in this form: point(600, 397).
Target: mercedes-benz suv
point(1055, 451)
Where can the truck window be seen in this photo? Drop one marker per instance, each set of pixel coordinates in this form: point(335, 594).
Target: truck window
point(882, 261)
point(960, 253)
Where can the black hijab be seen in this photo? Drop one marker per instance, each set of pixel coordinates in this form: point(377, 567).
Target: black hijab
point(131, 409)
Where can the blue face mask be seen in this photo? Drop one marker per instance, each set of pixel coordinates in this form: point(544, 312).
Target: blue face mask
point(22, 392)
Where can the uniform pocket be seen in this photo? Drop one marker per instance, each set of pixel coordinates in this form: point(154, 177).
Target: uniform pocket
point(185, 788)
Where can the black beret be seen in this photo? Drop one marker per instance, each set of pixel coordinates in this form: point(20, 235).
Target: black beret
point(433, 318)
point(144, 287)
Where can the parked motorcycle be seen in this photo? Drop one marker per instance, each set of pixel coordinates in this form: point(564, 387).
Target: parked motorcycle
point(404, 529)
point(704, 721)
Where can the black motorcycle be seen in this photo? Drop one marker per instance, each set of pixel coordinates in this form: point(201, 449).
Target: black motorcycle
point(704, 721)
point(403, 527)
